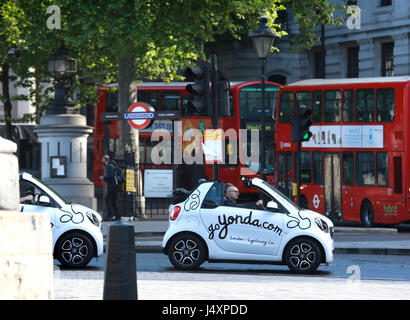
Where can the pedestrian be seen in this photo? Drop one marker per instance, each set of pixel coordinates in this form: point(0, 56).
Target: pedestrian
point(112, 188)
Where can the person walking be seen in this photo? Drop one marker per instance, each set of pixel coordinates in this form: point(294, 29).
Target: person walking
point(112, 188)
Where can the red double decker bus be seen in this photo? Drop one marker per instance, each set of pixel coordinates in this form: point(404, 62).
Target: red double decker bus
point(243, 112)
point(356, 165)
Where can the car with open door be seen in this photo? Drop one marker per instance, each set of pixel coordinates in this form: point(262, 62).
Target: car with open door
point(204, 228)
point(76, 229)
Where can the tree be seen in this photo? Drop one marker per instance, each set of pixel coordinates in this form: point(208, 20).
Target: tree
point(127, 41)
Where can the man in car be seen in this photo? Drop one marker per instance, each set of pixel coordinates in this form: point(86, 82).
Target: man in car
point(232, 195)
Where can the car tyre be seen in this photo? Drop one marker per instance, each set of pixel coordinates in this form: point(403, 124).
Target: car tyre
point(74, 250)
point(186, 251)
point(302, 255)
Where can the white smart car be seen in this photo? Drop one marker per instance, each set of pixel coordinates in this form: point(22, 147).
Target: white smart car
point(202, 229)
point(76, 229)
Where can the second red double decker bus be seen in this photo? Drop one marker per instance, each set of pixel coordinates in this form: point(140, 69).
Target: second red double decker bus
point(356, 165)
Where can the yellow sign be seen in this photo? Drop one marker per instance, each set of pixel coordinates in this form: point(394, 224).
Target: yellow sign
point(130, 179)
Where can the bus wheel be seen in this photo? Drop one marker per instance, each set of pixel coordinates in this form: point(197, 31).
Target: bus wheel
point(367, 214)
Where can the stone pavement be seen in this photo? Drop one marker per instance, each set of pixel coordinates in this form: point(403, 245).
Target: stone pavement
point(167, 286)
point(149, 233)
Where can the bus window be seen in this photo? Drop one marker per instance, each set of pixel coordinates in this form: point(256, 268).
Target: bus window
point(385, 105)
point(170, 100)
point(382, 168)
point(186, 111)
point(365, 168)
point(348, 168)
point(286, 107)
point(250, 101)
point(332, 106)
point(148, 148)
point(305, 166)
point(140, 95)
point(285, 164)
point(317, 167)
point(348, 105)
point(364, 105)
point(317, 106)
point(303, 98)
point(153, 99)
point(112, 101)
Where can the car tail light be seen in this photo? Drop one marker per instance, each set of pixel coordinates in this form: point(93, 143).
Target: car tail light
point(174, 212)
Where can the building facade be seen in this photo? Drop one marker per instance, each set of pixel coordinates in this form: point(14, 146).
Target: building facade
point(373, 43)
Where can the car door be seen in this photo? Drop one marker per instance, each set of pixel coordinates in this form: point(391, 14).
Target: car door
point(241, 229)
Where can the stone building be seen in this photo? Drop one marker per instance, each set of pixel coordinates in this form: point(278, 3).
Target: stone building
point(375, 43)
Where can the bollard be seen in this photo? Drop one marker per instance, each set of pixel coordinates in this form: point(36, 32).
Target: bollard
point(120, 278)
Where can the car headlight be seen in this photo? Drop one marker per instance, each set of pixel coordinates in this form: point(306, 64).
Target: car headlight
point(322, 225)
point(93, 218)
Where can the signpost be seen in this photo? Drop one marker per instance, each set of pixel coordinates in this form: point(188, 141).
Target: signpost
point(140, 115)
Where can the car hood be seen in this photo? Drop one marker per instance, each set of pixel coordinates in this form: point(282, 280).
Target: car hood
point(312, 214)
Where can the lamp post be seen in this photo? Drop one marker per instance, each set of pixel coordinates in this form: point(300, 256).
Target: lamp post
point(62, 67)
point(63, 134)
point(262, 40)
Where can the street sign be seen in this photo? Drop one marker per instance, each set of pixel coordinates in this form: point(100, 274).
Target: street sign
point(140, 115)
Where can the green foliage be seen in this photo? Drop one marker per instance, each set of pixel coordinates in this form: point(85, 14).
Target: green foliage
point(163, 36)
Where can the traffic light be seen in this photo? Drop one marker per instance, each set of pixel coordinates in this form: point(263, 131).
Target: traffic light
point(300, 125)
point(198, 74)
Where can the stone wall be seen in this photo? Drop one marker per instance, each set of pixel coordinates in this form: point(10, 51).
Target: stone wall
point(26, 261)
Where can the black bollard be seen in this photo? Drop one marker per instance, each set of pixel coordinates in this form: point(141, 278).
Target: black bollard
point(120, 278)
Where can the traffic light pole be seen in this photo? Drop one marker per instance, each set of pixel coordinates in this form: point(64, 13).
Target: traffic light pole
point(215, 107)
point(263, 144)
point(297, 163)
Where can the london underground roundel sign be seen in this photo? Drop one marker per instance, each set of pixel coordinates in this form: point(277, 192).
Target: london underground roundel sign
point(140, 115)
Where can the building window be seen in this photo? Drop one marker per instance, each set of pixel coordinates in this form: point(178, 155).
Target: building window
point(385, 3)
point(387, 59)
point(319, 65)
point(353, 62)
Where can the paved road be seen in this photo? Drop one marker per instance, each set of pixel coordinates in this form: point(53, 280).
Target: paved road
point(348, 277)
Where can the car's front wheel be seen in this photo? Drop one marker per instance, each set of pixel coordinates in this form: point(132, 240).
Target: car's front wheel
point(186, 251)
point(74, 250)
point(302, 255)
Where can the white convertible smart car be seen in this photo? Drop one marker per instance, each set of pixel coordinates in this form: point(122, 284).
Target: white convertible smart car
point(76, 229)
point(202, 229)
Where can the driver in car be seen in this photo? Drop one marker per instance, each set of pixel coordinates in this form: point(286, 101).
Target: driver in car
point(232, 195)
point(29, 195)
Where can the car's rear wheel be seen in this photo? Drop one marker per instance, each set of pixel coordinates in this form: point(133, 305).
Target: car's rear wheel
point(302, 255)
point(186, 251)
point(74, 250)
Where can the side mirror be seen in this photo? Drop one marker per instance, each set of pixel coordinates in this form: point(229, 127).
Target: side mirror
point(272, 206)
point(44, 201)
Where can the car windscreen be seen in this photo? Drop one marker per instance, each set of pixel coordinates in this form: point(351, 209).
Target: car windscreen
point(282, 196)
point(59, 196)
